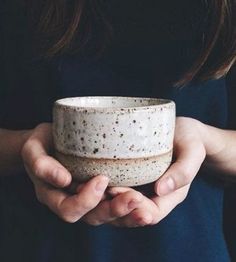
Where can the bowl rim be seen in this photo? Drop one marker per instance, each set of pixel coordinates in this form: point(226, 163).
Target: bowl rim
point(160, 103)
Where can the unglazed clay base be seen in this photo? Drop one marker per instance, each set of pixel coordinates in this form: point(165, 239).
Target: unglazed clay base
point(121, 172)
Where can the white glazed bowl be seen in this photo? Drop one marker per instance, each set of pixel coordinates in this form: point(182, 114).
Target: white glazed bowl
point(128, 139)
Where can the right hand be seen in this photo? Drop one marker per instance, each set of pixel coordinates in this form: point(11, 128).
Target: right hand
point(50, 179)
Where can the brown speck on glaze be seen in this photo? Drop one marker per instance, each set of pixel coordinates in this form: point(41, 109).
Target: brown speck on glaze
point(73, 123)
point(95, 151)
point(155, 133)
point(82, 139)
point(117, 122)
point(121, 135)
point(131, 147)
point(68, 136)
point(83, 148)
point(104, 135)
point(134, 121)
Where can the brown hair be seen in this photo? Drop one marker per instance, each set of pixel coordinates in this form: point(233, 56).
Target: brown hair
point(61, 24)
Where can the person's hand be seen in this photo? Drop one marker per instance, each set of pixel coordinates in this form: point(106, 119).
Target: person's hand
point(171, 189)
point(128, 207)
point(50, 179)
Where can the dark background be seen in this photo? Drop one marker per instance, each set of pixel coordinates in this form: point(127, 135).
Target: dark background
point(230, 193)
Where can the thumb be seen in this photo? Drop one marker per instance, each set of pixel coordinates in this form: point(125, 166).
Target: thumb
point(37, 161)
point(189, 158)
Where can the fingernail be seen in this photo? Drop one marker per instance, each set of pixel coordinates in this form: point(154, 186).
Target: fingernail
point(101, 185)
point(55, 175)
point(60, 178)
point(166, 186)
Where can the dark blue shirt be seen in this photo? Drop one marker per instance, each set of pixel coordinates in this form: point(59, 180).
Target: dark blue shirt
point(153, 44)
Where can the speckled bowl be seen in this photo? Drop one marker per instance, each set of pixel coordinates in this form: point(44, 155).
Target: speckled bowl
point(128, 139)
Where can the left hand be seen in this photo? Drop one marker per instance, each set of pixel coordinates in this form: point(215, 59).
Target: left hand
point(171, 189)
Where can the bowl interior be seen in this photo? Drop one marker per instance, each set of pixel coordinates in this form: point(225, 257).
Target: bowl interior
point(111, 102)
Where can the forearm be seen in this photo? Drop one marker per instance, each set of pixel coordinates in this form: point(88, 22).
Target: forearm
point(11, 143)
point(220, 148)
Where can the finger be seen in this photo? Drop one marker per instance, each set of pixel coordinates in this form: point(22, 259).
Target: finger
point(168, 202)
point(189, 158)
point(39, 163)
point(143, 215)
point(75, 188)
point(138, 218)
point(115, 191)
point(72, 208)
point(120, 206)
point(151, 212)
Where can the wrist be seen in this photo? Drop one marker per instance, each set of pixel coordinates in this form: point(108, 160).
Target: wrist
point(203, 132)
point(213, 140)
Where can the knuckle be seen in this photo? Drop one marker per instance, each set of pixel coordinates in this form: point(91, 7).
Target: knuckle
point(116, 211)
point(144, 220)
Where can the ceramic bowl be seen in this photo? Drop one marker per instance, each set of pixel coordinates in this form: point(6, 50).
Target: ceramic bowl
point(128, 139)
